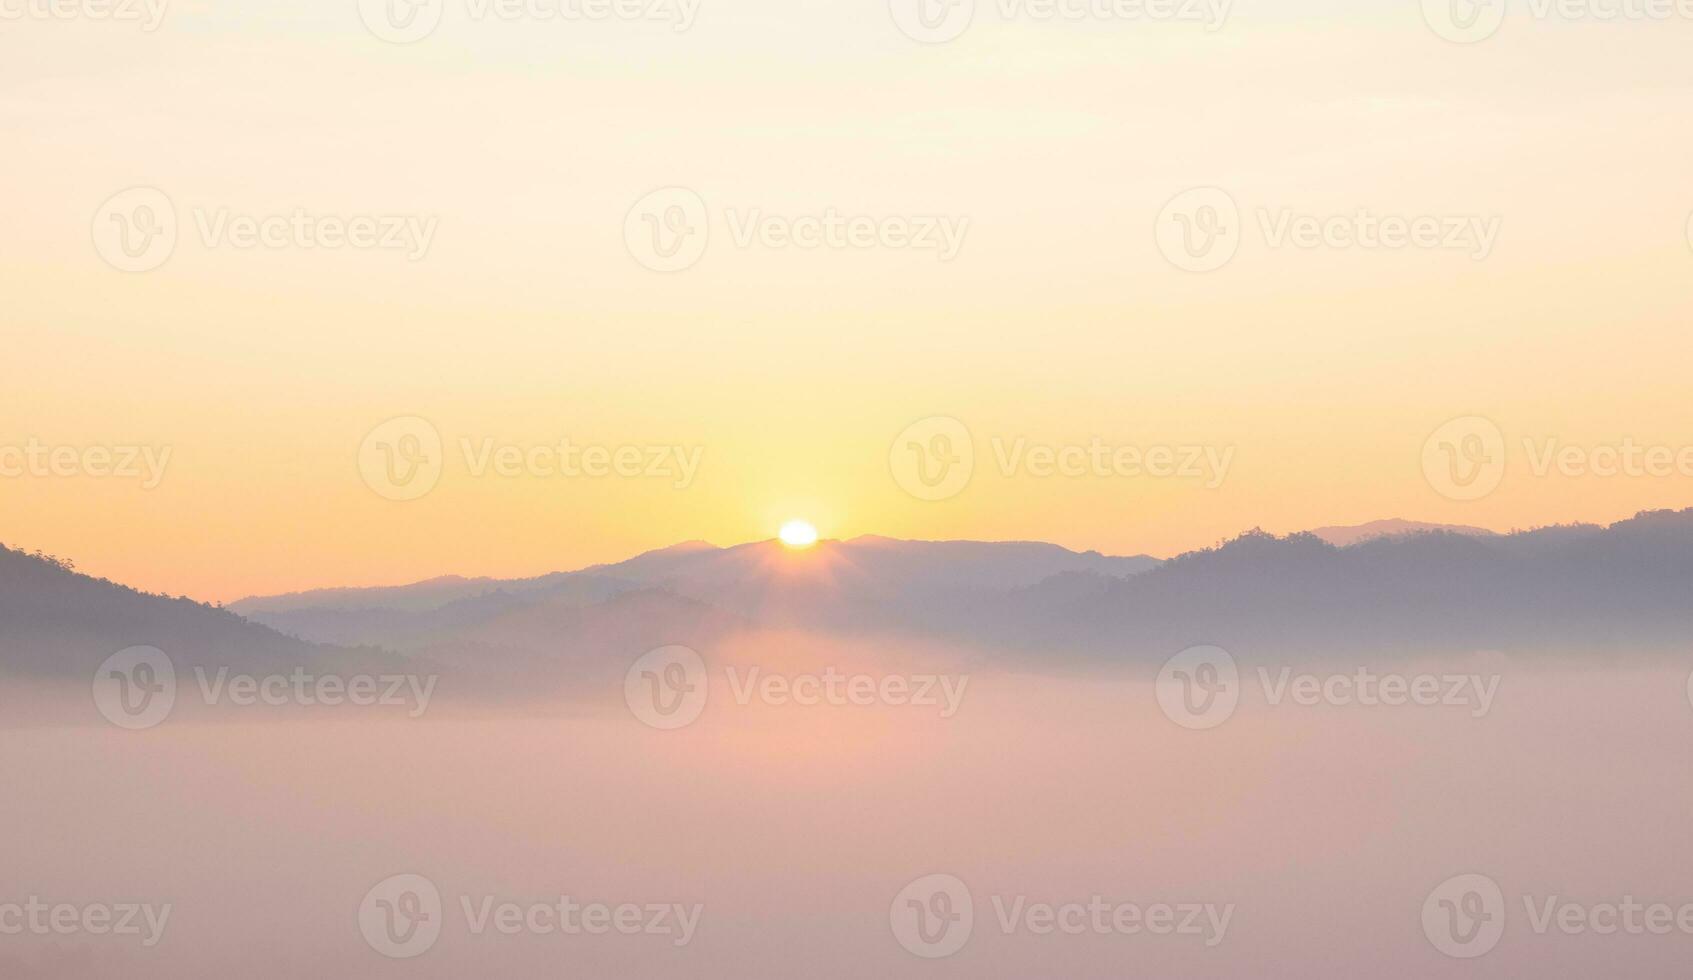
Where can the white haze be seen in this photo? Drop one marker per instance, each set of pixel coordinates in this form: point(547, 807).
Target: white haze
point(794, 827)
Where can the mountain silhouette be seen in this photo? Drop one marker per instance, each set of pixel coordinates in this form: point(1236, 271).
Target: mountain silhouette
point(1583, 588)
point(830, 585)
point(1342, 536)
point(55, 622)
point(1578, 589)
point(1401, 589)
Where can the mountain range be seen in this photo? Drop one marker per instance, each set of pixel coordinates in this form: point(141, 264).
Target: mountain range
point(1388, 589)
point(1344, 536)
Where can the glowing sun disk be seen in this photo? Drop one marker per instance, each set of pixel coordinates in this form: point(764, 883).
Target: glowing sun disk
point(798, 534)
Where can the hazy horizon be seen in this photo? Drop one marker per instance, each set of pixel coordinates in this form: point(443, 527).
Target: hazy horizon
point(536, 315)
point(1201, 489)
point(1367, 528)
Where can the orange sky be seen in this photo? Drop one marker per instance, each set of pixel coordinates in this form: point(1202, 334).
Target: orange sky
point(789, 372)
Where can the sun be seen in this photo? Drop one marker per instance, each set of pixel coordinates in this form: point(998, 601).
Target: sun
point(798, 534)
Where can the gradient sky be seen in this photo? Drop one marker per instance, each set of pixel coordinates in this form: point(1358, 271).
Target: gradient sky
point(793, 371)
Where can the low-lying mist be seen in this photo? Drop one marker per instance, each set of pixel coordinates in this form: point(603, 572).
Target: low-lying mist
point(1110, 823)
